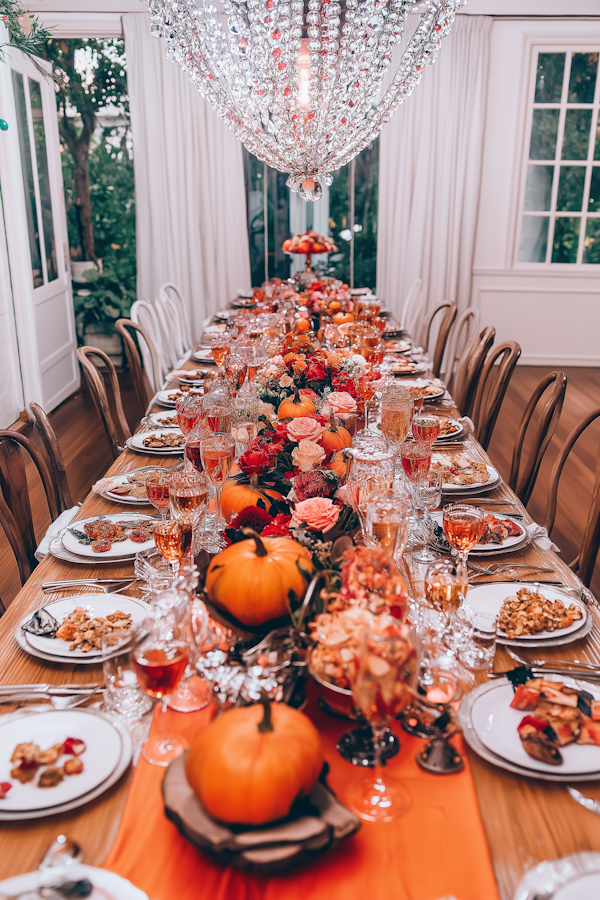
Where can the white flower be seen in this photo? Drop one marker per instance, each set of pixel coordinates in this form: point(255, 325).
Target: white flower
point(308, 455)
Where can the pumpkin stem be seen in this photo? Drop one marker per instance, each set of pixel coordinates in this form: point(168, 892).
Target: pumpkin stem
point(254, 482)
point(296, 395)
point(265, 725)
point(332, 424)
point(260, 550)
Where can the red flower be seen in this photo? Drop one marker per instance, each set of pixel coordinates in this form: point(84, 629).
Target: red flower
point(254, 462)
point(343, 382)
point(314, 484)
point(315, 371)
point(252, 517)
point(272, 442)
point(279, 527)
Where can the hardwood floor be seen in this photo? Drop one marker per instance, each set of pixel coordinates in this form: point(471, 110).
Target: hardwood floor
point(87, 456)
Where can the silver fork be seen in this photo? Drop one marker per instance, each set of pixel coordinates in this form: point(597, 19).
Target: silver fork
point(106, 585)
point(59, 703)
point(505, 567)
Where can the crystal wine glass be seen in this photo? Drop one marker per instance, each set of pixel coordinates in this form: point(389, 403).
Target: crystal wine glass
point(380, 681)
point(425, 428)
point(216, 411)
point(217, 453)
point(395, 416)
point(416, 461)
point(235, 371)
point(387, 520)
point(463, 527)
point(173, 539)
point(220, 349)
point(429, 496)
point(189, 411)
point(160, 657)
point(157, 490)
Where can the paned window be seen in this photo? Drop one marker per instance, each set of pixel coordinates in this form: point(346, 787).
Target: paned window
point(561, 210)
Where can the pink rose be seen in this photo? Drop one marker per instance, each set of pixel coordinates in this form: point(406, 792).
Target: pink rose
point(342, 404)
point(285, 381)
point(319, 513)
point(304, 428)
point(308, 455)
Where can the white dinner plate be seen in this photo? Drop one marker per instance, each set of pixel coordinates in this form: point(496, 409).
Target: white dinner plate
point(495, 723)
point(457, 432)
point(574, 877)
point(203, 356)
point(425, 383)
point(121, 550)
point(100, 758)
point(397, 346)
point(169, 397)
point(494, 480)
point(115, 886)
point(125, 498)
point(490, 597)
point(514, 542)
point(418, 369)
point(95, 605)
point(160, 419)
point(136, 442)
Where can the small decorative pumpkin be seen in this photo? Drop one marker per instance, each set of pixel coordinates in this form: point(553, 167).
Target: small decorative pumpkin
point(337, 464)
point(301, 325)
point(236, 496)
point(295, 405)
point(249, 765)
point(341, 318)
point(252, 579)
point(335, 437)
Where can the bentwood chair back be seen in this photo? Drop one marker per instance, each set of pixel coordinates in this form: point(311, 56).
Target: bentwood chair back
point(469, 369)
point(168, 313)
point(175, 296)
point(491, 389)
point(146, 381)
point(97, 388)
point(15, 507)
point(585, 560)
point(524, 470)
point(465, 327)
point(53, 456)
point(143, 313)
point(411, 310)
point(443, 332)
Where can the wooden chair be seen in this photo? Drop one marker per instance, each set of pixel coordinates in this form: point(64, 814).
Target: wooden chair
point(15, 506)
point(465, 327)
point(469, 369)
point(522, 478)
point(146, 382)
point(491, 389)
point(95, 382)
point(442, 335)
point(53, 456)
point(585, 560)
point(143, 313)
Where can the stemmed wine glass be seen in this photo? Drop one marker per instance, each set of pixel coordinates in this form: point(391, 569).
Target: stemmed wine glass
point(429, 494)
point(380, 682)
point(189, 411)
point(216, 411)
point(235, 371)
point(387, 520)
point(173, 539)
point(217, 453)
point(395, 416)
point(157, 490)
point(463, 527)
point(160, 657)
point(220, 349)
point(416, 461)
point(425, 427)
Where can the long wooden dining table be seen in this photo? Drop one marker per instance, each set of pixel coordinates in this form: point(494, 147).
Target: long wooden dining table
point(526, 820)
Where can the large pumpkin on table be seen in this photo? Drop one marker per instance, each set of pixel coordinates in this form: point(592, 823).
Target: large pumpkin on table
point(252, 579)
point(249, 765)
point(235, 496)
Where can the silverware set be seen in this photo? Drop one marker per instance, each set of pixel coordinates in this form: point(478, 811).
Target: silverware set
point(61, 696)
point(107, 585)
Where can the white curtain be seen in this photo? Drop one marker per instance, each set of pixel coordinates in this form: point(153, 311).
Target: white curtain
point(430, 173)
point(189, 183)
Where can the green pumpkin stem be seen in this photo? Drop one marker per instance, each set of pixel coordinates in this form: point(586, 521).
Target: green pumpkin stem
point(265, 725)
point(260, 549)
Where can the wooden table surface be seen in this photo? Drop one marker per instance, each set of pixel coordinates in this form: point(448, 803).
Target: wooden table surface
point(526, 820)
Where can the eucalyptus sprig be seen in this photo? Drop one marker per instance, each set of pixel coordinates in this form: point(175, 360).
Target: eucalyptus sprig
point(25, 32)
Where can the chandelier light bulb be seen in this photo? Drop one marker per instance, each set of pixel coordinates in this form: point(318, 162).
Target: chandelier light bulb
point(300, 82)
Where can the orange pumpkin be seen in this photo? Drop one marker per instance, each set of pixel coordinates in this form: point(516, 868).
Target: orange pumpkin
point(253, 579)
point(249, 765)
point(236, 496)
point(337, 464)
point(341, 318)
point(302, 325)
point(295, 405)
point(335, 437)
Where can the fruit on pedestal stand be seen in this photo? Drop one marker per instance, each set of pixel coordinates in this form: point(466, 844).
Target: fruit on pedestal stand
point(295, 405)
point(253, 579)
point(249, 765)
point(236, 496)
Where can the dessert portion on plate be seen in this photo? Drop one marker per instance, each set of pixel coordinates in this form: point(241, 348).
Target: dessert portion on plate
point(460, 469)
point(560, 715)
point(529, 612)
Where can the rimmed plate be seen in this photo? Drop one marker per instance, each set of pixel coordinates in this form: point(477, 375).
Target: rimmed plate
point(95, 605)
point(398, 346)
point(170, 397)
point(123, 764)
point(118, 551)
point(30, 882)
point(162, 419)
point(100, 758)
point(574, 877)
point(494, 481)
point(136, 442)
point(515, 542)
point(476, 744)
point(490, 597)
point(203, 356)
point(414, 369)
point(56, 548)
point(435, 389)
point(495, 723)
point(457, 432)
point(126, 498)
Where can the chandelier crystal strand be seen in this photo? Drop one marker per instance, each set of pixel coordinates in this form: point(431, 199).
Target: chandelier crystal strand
point(299, 81)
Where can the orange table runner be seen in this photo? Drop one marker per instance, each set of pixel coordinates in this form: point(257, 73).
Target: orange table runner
point(437, 850)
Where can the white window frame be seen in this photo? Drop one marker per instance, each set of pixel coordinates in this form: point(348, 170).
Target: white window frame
point(568, 47)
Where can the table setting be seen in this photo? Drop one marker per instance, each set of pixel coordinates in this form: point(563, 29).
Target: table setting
point(330, 567)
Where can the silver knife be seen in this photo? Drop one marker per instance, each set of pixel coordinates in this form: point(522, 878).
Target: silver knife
point(68, 581)
point(586, 802)
point(58, 690)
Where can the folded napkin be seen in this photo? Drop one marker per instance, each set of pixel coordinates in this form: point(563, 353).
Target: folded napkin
point(63, 520)
point(540, 537)
point(467, 424)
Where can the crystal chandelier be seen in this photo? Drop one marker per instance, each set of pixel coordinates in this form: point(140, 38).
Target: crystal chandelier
point(299, 81)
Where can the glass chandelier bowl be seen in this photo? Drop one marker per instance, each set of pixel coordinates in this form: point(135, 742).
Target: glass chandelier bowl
point(300, 82)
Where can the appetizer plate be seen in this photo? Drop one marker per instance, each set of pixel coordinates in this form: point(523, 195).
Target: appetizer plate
point(122, 765)
point(126, 498)
point(203, 356)
point(398, 346)
point(95, 605)
point(575, 877)
point(495, 723)
point(162, 419)
point(426, 383)
point(119, 551)
point(169, 397)
point(457, 431)
point(494, 481)
point(100, 758)
point(490, 597)
point(475, 743)
point(413, 369)
point(515, 542)
point(109, 882)
point(136, 442)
